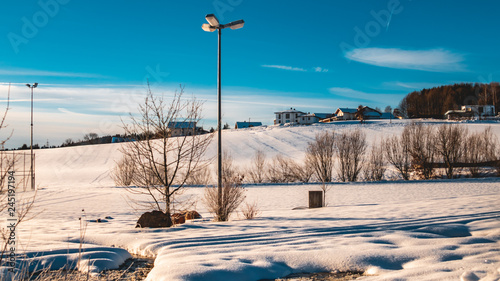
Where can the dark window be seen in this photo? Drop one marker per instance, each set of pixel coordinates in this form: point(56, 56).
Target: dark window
point(287, 115)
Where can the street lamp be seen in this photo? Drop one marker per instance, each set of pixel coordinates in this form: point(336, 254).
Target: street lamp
point(34, 85)
point(212, 25)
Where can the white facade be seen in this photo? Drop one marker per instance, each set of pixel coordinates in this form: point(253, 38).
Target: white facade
point(288, 116)
point(346, 113)
point(480, 110)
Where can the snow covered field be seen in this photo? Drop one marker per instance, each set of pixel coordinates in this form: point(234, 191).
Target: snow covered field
point(425, 230)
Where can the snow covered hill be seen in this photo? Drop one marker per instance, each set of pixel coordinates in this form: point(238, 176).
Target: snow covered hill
point(417, 230)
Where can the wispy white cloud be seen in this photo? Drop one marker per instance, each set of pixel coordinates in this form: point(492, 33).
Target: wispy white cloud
point(363, 96)
point(320, 69)
point(437, 60)
point(414, 85)
point(45, 73)
point(285, 67)
point(292, 68)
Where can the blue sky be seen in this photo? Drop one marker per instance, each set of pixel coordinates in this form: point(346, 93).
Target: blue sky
point(92, 58)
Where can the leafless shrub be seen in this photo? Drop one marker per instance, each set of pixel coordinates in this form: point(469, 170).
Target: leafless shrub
point(480, 147)
point(350, 148)
point(374, 168)
point(320, 156)
point(257, 172)
point(232, 192)
point(200, 176)
point(422, 149)
point(164, 164)
point(397, 153)
point(232, 196)
point(250, 211)
point(278, 171)
point(124, 171)
point(300, 172)
point(450, 145)
point(230, 171)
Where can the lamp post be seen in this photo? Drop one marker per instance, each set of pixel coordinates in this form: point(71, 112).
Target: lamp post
point(212, 25)
point(34, 85)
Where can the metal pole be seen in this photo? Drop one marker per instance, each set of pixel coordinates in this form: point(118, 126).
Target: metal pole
point(219, 117)
point(32, 172)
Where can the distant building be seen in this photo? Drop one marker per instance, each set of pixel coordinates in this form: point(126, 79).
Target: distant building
point(458, 114)
point(344, 113)
point(480, 110)
point(183, 128)
point(370, 113)
point(397, 113)
point(387, 115)
point(288, 116)
point(471, 111)
point(294, 116)
point(120, 139)
point(245, 124)
point(311, 118)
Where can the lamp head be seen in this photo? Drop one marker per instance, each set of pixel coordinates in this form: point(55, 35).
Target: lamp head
point(28, 85)
point(212, 20)
point(35, 85)
point(207, 27)
point(235, 24)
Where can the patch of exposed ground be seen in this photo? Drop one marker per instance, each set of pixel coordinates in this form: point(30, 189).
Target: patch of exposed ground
point(321, 276)
point(131, 270)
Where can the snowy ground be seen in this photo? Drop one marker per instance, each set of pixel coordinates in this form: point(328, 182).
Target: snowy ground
point(426, 230)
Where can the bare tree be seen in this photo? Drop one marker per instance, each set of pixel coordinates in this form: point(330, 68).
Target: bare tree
point(397, 153)
point(320, 159)
point(281, 170)
point(257, 171)
point(422, 148)
point(374, 168)
point(91, 138)
point(320, 156)
point(360, 113)
point(350, 147)
point(163, 164)
point(300, 172)
point(481, 148)
point(232, 192)
point(450, 145)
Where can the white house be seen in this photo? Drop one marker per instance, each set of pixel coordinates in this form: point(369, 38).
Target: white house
point(479, 110)
point(294, 116)
point(288, 116)
point(346, 113)
point(311, 118)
